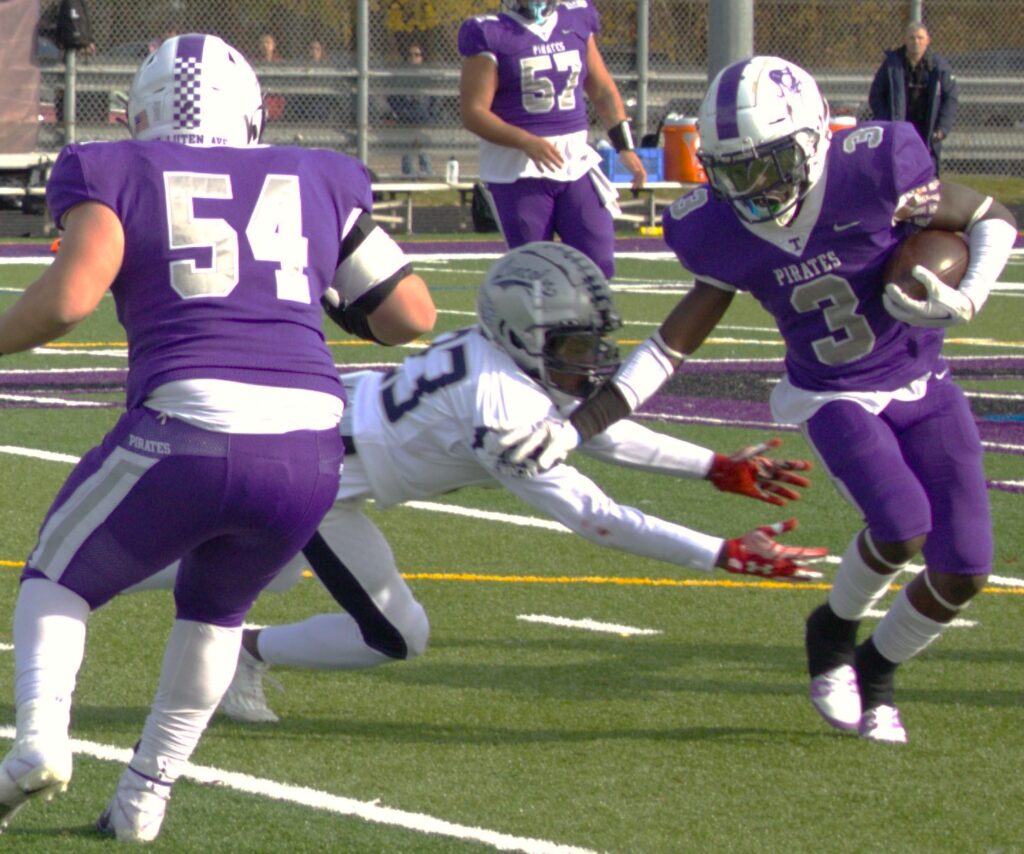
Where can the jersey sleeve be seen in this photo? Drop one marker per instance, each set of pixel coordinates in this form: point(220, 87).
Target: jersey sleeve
point(573, 499)
point(632, 445)
point(472, 38)
point(70, 185)
point(912, 165)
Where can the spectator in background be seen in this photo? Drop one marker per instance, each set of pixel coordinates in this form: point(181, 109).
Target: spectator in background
point(414, 110)
point(268, 48)
point(916, 85)
point(524, 75)
point(275, 104)
point(315, 52)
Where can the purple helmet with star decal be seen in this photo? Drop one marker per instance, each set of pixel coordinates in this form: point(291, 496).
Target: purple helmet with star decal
point(198, 90)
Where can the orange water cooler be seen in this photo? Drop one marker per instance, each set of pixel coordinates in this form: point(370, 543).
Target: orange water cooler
point(838, 123)
point(681, 142)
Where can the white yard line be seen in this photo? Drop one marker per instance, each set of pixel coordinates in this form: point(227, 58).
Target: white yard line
point(370, 811)
point(588, 625)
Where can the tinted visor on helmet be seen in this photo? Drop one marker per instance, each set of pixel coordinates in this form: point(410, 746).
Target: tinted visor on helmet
point(578, 361)
point(768, 180)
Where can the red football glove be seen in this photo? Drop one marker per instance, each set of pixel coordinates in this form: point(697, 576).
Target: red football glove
point(748, 473)
point(757, 553)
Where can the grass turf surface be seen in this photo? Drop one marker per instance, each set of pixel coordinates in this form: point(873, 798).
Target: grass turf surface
point(698, 738)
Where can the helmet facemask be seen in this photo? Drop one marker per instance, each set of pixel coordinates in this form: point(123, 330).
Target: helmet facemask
point(577, 362)
point(764, 182)
point(533, 10)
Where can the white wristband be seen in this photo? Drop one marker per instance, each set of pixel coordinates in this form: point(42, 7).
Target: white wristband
point(990, 242)
point(644, 372)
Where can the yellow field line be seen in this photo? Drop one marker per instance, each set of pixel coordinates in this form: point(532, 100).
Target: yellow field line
point(623, 582)
point(966, 342)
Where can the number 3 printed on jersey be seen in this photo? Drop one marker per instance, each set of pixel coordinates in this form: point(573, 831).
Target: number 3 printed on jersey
point(539, 94)
point(274, 233)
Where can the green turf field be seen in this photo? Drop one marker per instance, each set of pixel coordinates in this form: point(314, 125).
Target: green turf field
point(640, 708)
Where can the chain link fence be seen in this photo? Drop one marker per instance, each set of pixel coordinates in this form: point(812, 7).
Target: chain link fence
point(307, 54)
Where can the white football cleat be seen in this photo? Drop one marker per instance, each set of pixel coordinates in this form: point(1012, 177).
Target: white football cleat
point(836, 697)
point(882, 723)
point(136, 812)
point(32, 770)
point(244, 700)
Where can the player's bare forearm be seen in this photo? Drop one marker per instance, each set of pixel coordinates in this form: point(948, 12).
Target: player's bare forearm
point(693, 318)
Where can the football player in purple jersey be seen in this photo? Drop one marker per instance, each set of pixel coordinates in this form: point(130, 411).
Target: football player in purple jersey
point(805, 222)
point(217, 252)
point(524, 74)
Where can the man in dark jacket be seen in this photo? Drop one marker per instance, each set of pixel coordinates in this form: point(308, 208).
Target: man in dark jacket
point(916, 85)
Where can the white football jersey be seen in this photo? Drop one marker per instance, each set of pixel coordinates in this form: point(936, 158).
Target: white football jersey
point(419, 431)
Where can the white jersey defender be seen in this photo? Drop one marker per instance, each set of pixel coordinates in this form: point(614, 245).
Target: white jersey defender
point(430, 426)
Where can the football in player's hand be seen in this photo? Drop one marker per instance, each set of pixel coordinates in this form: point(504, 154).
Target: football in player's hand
point(942, 252)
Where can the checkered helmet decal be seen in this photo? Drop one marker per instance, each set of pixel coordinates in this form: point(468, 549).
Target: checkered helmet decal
point(198, 90)
point(187, 95)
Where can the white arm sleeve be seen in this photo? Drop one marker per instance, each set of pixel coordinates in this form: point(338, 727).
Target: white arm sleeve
point(646, 370)
point(578, 503)
point(990, 242)
point(632, 445)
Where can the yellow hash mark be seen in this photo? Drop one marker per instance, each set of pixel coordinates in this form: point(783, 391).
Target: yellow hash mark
point(645, 582)
point(623, 582)
point(83, 345)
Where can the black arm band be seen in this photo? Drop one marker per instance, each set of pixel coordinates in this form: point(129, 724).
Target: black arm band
point(351, 319)
point(621, 137)
point(598, 412)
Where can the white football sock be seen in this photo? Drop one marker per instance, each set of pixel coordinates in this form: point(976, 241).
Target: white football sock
point(331, 642)
point(199, 663)
point(904, 631)
point(49, 642)
point(857, 587)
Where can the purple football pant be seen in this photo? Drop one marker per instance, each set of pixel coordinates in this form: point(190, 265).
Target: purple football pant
point(913, 469)
point(538, 208)
point(233, 507)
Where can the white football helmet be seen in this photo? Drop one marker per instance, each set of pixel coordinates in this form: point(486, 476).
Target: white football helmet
point(532, 10)
point(764, 136)
point(199, 90)
point(549, 307)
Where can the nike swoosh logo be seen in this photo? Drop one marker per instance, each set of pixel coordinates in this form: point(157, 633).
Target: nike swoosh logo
point(845, 225)
point(940, 376)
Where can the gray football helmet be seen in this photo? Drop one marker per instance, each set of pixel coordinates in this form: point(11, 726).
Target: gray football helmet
point(550, 308)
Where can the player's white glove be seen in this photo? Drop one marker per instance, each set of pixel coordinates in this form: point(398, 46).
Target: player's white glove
point(757, 553)
point(945, 306)
point(544, 445)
